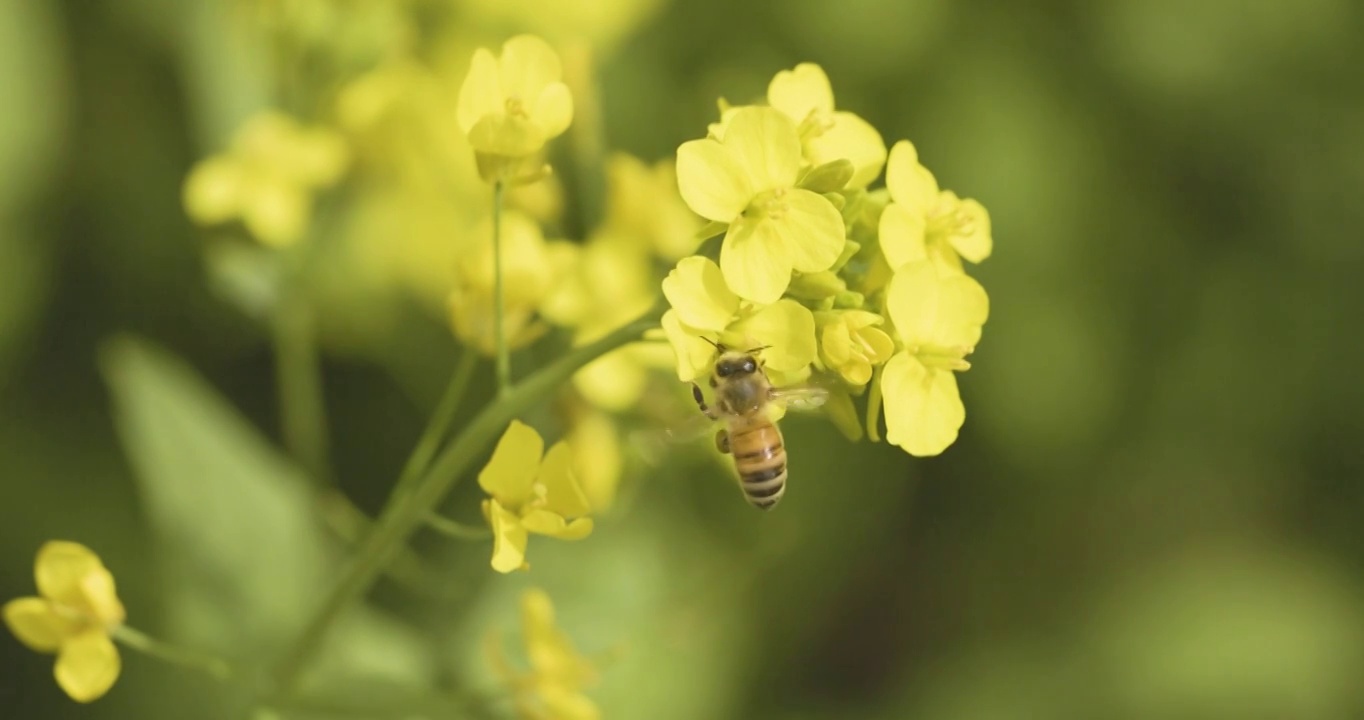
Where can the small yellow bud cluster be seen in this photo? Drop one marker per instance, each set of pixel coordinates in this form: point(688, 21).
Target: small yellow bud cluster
point(861, 288)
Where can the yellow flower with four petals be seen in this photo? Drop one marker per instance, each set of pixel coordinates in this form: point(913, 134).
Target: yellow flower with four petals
point(804, 95)
point(552, 689)
point(747, 179)
point(531, 492)
point(704, 308)
point(510, 106)
point(76, 610)
point(938, 316)
point(925, 222)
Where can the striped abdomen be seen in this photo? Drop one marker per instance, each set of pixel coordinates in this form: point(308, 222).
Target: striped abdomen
point(760, 458)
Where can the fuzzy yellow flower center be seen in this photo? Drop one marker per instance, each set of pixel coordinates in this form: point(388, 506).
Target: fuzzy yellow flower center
point(771, 205)
point(516, 108)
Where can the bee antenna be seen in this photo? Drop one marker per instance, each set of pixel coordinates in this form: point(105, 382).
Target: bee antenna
point(716, 345)
point(757, 350)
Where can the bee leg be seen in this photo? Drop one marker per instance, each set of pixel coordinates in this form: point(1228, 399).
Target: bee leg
point(722, 441)
point(701, 402)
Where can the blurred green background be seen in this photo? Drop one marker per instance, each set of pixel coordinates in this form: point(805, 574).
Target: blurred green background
point(1155, 508)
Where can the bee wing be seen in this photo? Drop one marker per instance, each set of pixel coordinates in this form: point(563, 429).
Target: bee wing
point(801, 398)
point(656, 443)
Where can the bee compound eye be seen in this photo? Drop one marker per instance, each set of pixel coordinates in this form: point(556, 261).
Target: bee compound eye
point(722, 370)
point(750, 366)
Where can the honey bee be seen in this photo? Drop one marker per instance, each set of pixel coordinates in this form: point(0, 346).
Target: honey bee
point(743, 395)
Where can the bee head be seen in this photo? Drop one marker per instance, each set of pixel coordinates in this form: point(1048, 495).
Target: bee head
point(733, 363)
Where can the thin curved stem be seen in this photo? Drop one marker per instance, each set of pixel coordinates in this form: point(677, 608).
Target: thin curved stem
point(410, 506)
point(148, 645)
point(302, 409)
point(499, 297)
point(457, 530)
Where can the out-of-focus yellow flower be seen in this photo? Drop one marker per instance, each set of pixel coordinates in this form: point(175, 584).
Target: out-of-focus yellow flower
point(511, 106)
point(643, 205)
point(532, 492)
point(553, 687)
point(267, 178)
point(748, 180)
point(597, 458)
point(924, 222)
point(76, 610)
point(804, 94)
point(938, 315)
point(530, 268)
point(704, 308)
point(850, 343)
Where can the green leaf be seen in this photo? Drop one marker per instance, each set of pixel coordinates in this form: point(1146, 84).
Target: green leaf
point(246, 555)
point(827, 178)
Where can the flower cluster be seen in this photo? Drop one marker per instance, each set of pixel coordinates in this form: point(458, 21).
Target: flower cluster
point(863, 288)
point(72, 617)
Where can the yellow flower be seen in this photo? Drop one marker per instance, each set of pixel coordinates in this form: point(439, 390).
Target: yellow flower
point(924, 222)
point(643, 204)
point(704, 307)
point(805, 96)
point(850, 343)
point(748, 180)
point(552, 689)
point(528, 273)
point(73, 617)
point(938, 316)
point(511, 106)
point(267, 178)
point(532, 492)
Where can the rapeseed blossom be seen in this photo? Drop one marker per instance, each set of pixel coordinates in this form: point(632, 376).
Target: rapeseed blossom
point(747, 179)
point(553, 687)
point(73, 615)
point(510, 106)
point(530, 491)
point(868, 297)
point(267, 178)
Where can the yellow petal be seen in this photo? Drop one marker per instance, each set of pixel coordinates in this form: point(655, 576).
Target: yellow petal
point(562, 494)
point(902, 235)
point(696, 289)
point(37, 625)
point(510, 474)
point(87, 666)
point(875, 344)
point(766, 147)
point(836, 342)
point(930, 307)
point(528, 64)
point(319, 157)
point(973, 239)
point(693, 353)
point(213, 190)
point(789, 328)
point(614, 381)
point(509, 538)
point(61, 569)
point(923, 407)
point(597, 458)
point(910, 183)
point(711, 180)
point(277, 212)
point(755, 261)
point(481, 94)
point(854, 139)
point(511, 136)
point(544, 522)
point(553, 109)
point(800, 91)
point(811, 231)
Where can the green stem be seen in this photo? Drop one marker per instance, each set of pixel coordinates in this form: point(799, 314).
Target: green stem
point(456, 529)
point(148, 645)
point(499, 297)
point(302, 410)
point(409, 507)
point(439, 424)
